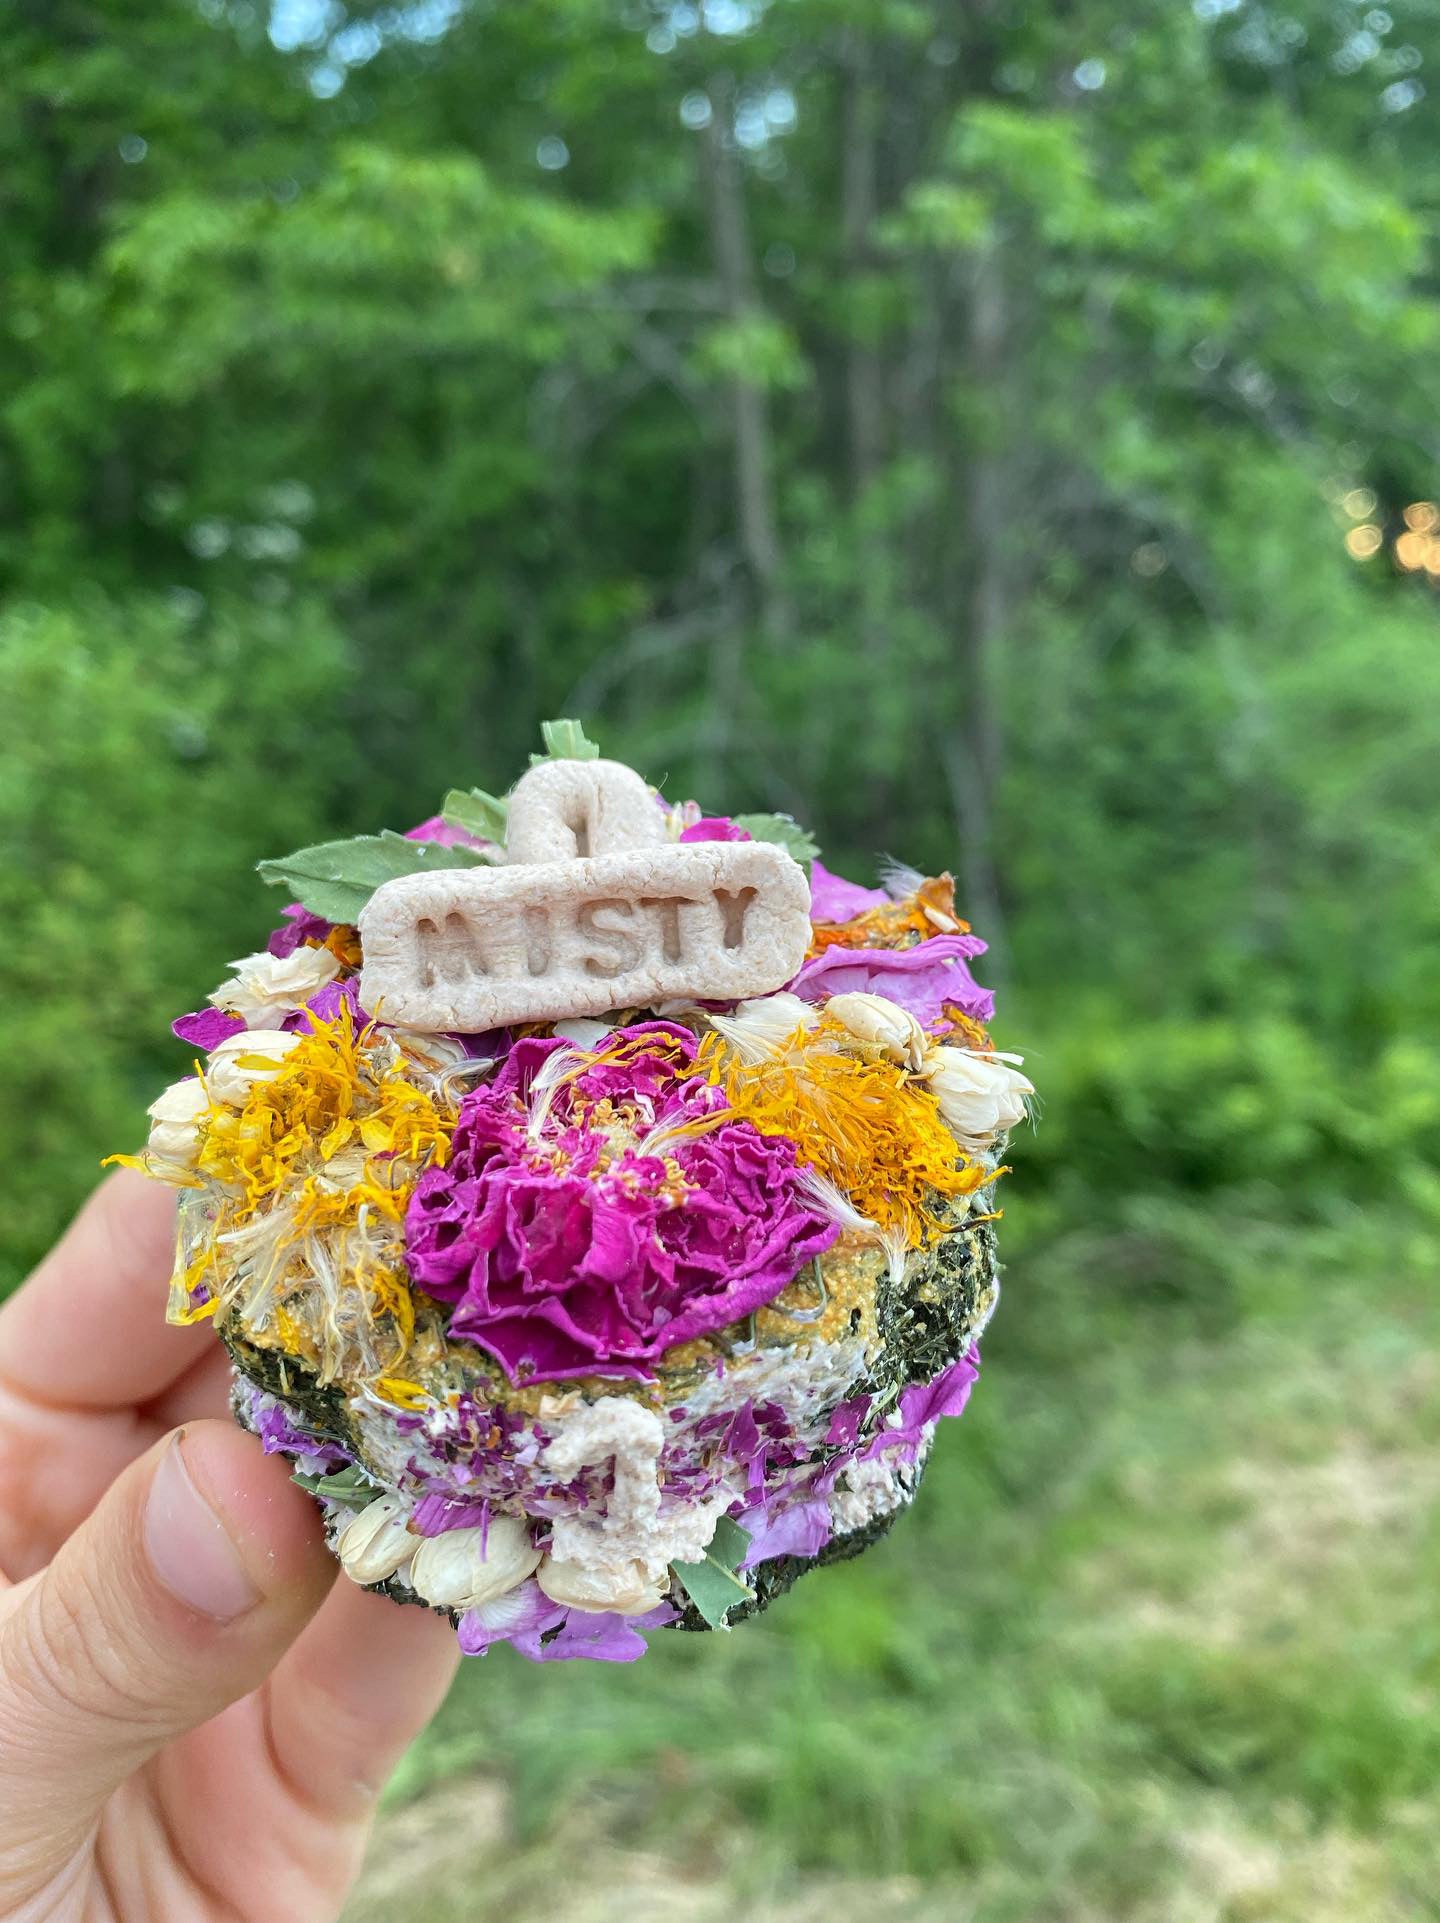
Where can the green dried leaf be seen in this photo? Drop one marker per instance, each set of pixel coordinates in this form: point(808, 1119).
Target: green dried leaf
point(336, 878)
point(712, 1584)
point(565, 741)
point(785, 830)
point(477, 813)
point(350, 1485)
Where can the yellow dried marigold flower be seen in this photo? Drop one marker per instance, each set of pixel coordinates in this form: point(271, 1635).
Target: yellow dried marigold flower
point(308, 1178)
point(866, 1126)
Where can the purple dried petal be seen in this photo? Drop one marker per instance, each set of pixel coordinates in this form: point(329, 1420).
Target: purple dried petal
point(520, 1617)
point(433, 1515)
point(921, 979)
point(280, 1434)
point(846, 1421)
point(325, 1005)
point(802, 1529)
point(207, 1027)
point(603, 1638)
point(834, 899)
point(924, 1403)
point(301, 926)
point(446, 834)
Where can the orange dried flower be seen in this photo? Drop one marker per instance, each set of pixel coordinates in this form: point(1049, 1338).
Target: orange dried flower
point(343, 941)
point(971, 1034)
point(930, 910)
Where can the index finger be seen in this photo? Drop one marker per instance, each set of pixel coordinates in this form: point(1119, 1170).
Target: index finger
point(88, 1329)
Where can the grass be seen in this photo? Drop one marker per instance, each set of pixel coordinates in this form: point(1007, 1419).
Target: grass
point(1158, 1643)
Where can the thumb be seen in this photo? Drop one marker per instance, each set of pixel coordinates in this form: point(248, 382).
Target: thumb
point(178, 1595)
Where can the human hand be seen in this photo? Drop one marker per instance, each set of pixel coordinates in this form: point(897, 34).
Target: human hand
point(194, 1723)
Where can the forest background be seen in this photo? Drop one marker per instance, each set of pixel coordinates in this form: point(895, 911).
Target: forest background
point(1006, 439)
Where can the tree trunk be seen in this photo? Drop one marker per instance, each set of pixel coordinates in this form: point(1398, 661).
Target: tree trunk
point(974, 754)
point(755, 515)
point(864, 376)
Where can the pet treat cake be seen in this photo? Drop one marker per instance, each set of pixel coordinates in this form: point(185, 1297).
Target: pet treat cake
point(596, 1198)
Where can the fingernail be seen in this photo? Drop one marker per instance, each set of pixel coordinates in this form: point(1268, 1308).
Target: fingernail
point(188, 1547)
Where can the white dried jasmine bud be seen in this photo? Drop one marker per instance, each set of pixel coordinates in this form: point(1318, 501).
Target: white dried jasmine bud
point(241, 1060)
point(980, 1096)
point(175, 1122)
point(765, 1025)
point(622, 1587)
point(464, 1567)
point(376, 1544)
point(883, 1024)
point(433, 1052)
point(265, 985)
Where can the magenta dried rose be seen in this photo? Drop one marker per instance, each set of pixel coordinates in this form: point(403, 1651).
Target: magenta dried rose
point(572, 1243)
point(715, 828)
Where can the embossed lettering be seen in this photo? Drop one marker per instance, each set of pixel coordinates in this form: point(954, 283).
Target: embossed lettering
point(539, 947)
point(734, 905)
point(590, 913)
point(623, 941)
point(669, 907)
point(448, 953)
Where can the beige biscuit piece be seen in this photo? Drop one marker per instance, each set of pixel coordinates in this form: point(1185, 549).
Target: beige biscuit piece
point(567, 810)
point(467, 949)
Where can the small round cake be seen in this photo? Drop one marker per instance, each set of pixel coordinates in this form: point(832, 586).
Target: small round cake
point(596, 1199)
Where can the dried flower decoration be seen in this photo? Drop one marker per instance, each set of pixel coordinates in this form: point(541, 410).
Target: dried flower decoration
point(867, 1126)
point(610, 1318)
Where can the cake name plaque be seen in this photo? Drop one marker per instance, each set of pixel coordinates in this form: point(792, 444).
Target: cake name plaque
point(602, 911)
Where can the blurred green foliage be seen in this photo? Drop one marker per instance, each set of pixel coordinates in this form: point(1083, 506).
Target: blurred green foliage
point(137, 753)
point(943, 423)
point(939, 428)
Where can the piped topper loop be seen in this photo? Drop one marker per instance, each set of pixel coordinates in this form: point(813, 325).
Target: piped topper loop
point(593, 909)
